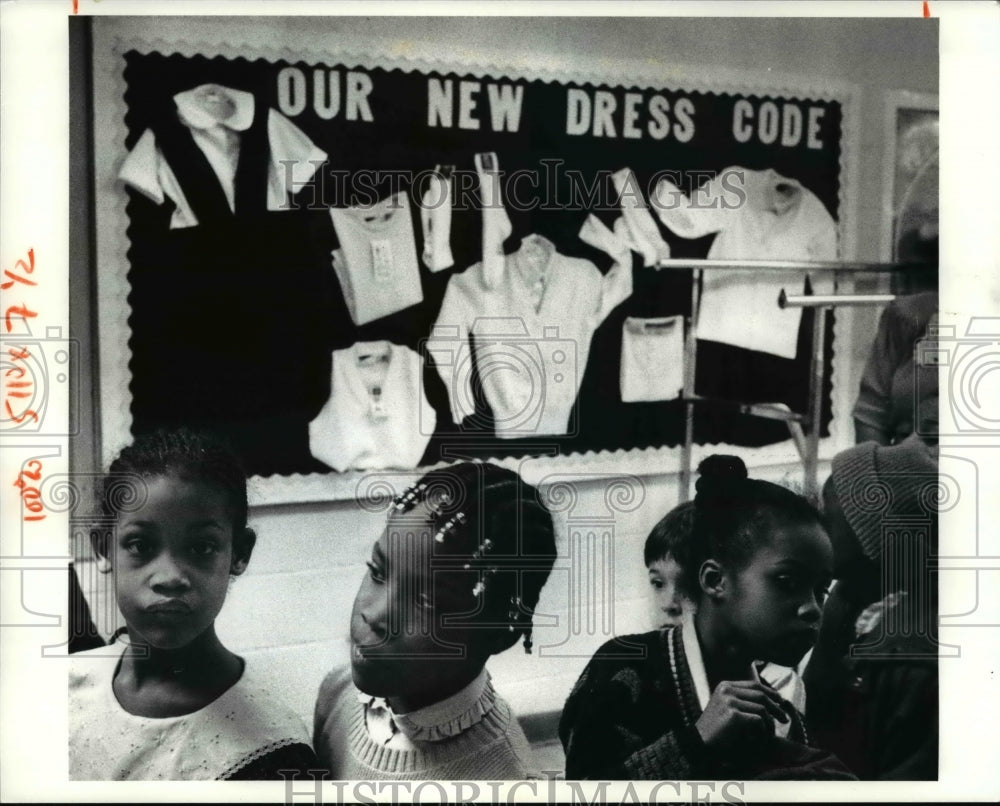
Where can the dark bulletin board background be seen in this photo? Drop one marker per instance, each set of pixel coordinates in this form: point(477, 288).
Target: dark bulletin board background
point(233, 322)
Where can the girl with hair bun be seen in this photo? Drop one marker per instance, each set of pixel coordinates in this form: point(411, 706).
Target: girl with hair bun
point(687, 701)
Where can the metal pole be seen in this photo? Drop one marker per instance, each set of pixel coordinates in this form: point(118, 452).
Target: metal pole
point(690, 357)
point(802, 266)
point(822, 304)
point(817, 368)
point(819, 301)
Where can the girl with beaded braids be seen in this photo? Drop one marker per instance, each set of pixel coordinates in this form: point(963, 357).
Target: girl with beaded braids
point(688, 701)
point(170, 702)
point(453, 579)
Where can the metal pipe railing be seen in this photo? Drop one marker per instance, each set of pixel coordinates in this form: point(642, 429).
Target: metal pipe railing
point(808, 446)
point(787, 265)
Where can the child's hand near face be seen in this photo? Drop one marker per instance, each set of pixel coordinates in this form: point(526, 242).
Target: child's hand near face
point(740, 710)
point(757, 561)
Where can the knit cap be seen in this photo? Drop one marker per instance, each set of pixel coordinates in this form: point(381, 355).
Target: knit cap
point(876, 484)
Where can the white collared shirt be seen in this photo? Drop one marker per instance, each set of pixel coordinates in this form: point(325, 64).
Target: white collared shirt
point(376, 262)
point(757, 215)
point(696, 665)
point(146, 169)
point(531, 345)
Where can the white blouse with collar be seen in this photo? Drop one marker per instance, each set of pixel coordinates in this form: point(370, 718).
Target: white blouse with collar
point(532, 329)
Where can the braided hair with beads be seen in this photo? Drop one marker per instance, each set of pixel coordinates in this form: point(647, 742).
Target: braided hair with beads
point(500, 535)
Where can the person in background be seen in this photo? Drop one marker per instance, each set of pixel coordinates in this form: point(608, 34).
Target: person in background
point(171, 702)
point(899, 387)
point(872, 681)
point(688, 701)
point(669, 549)
point(453, 580)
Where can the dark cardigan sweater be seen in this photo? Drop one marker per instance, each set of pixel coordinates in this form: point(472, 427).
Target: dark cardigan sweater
point(632, 715)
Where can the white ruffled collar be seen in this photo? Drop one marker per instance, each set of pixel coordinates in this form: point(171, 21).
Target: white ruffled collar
point(441, 720)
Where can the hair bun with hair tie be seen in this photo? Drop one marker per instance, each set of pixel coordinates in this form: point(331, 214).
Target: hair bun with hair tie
point(720, 476)
point(721, 466)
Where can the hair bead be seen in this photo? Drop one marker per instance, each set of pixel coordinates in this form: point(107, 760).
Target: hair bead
point(449, 526)
point(515, 524)
point(402, 501)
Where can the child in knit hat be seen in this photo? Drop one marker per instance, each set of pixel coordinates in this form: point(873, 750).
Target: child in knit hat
point(872, 680)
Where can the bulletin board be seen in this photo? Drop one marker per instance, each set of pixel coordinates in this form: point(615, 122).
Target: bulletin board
point(230, 323)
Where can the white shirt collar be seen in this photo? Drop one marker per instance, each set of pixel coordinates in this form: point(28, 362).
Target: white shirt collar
point(696, 664)
point(444, 719)
point(194, 115)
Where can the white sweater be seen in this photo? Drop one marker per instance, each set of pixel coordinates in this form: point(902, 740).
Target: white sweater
point(107, 743)
point(377, 415)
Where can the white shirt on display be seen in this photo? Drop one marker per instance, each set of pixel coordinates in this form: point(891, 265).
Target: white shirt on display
point(758, 215)
point(532, 330)
point(216, 116)
point(376, 263)
point(377, 415)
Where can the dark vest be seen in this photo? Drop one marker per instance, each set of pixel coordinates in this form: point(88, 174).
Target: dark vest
point(194, 174)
